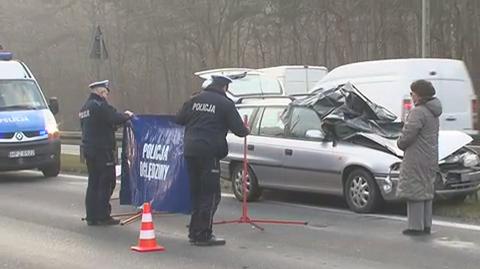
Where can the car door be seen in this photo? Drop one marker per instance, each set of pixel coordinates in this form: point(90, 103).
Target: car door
point(309, 161)
point(235, 143)
point(265, 145)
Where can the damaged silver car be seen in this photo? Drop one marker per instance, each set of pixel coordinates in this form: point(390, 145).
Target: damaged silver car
point(337, 141)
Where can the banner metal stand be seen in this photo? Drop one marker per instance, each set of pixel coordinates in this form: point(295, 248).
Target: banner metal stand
point(244, 218)
point(132, 217)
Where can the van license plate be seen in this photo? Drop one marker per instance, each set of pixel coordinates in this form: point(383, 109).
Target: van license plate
point(21, 153)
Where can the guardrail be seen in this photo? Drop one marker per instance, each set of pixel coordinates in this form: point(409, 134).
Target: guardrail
point(74, 137)
point(71, 143)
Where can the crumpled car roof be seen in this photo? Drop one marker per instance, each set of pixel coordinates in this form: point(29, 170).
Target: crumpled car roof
point(345, 111)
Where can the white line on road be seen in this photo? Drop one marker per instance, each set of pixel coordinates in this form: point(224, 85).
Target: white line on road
point(441, 223)
point(73, 176)
point(435, 222)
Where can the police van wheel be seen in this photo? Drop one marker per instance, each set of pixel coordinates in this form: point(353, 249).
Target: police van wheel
point(51, 170)
point(253, 190)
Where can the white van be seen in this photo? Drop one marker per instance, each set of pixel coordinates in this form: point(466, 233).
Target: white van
point(29, 136)
point(296, 79)
point(246, 82)
point(387, 83)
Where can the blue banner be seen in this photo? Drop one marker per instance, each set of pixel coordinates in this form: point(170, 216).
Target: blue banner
point(153, 167)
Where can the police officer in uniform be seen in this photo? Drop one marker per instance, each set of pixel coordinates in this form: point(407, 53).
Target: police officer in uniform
point(99, 120)
point(207, 118)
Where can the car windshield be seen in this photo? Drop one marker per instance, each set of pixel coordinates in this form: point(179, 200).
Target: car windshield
point(254, 84)
point(20, 94)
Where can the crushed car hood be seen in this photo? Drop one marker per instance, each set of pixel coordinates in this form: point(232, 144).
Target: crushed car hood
point(345, 111)
point(451, 141)
point(448, 143)
point(389, 144)
point(348, 115)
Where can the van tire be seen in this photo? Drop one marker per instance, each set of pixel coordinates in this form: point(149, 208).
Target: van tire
point(254, 191)
point(361, 192)
point(51, 170)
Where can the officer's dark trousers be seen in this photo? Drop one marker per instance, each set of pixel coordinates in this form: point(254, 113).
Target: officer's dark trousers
point(101, 183)
point(204, 176)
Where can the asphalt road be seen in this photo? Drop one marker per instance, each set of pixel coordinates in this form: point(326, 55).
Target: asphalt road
point(40, 227)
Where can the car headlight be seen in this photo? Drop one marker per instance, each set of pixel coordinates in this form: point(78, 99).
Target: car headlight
point(395, 167)
point(453, 159)
point(51, 126)
point(470, 159)
point(387, 185)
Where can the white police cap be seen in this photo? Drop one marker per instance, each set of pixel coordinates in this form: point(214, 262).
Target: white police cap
point(103, 83)
point(206, 83)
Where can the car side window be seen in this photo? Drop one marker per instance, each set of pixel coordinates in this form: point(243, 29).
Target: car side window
point(246, 111)
point(271, 123)
point(302, 120)
point(256, 122)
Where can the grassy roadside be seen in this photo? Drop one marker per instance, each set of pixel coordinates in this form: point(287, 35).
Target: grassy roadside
point(71, 164)
point(468, 211)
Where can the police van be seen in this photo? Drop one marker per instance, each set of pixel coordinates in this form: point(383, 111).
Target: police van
point(29, 135)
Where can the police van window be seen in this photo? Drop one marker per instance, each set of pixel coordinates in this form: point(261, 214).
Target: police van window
point(302, 120)
point(271, 123)
point(254, 84)
point(20, 94)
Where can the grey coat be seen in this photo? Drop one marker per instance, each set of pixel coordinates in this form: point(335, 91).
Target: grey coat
point(419, 141)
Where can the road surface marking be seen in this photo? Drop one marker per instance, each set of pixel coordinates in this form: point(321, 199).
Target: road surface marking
point(440, 223)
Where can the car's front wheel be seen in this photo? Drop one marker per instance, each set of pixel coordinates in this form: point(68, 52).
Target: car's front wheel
point(361, 192)
point(253, 190)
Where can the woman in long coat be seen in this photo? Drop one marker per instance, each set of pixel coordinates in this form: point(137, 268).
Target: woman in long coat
point(419, 141)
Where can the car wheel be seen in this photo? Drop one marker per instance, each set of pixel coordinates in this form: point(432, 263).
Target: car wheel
point(51, 170)
point(361, 192)
point(253, 190)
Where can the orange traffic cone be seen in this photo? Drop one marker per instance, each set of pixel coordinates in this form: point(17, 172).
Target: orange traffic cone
point(147, 241)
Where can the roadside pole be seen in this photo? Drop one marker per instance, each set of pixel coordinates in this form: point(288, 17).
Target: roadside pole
point(99, 51)
point(425, 28)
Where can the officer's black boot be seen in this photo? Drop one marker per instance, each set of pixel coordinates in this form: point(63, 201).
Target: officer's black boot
point(108, 221)
point(212, 241)
point(91, 222)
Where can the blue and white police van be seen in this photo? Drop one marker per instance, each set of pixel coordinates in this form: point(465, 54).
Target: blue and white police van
point(29, 135)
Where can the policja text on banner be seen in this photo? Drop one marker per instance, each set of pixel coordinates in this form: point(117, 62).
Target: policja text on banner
point(153, 167)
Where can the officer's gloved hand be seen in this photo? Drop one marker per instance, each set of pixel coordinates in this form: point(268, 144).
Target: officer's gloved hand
point(129, 113)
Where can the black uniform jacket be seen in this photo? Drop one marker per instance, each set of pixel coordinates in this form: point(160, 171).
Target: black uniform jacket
point(207, 117)
point(99, 120)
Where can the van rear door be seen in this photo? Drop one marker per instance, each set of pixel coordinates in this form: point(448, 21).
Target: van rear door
point(455, 96)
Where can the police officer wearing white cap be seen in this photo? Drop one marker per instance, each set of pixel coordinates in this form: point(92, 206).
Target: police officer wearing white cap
point(207, 117)
point(99, 120)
